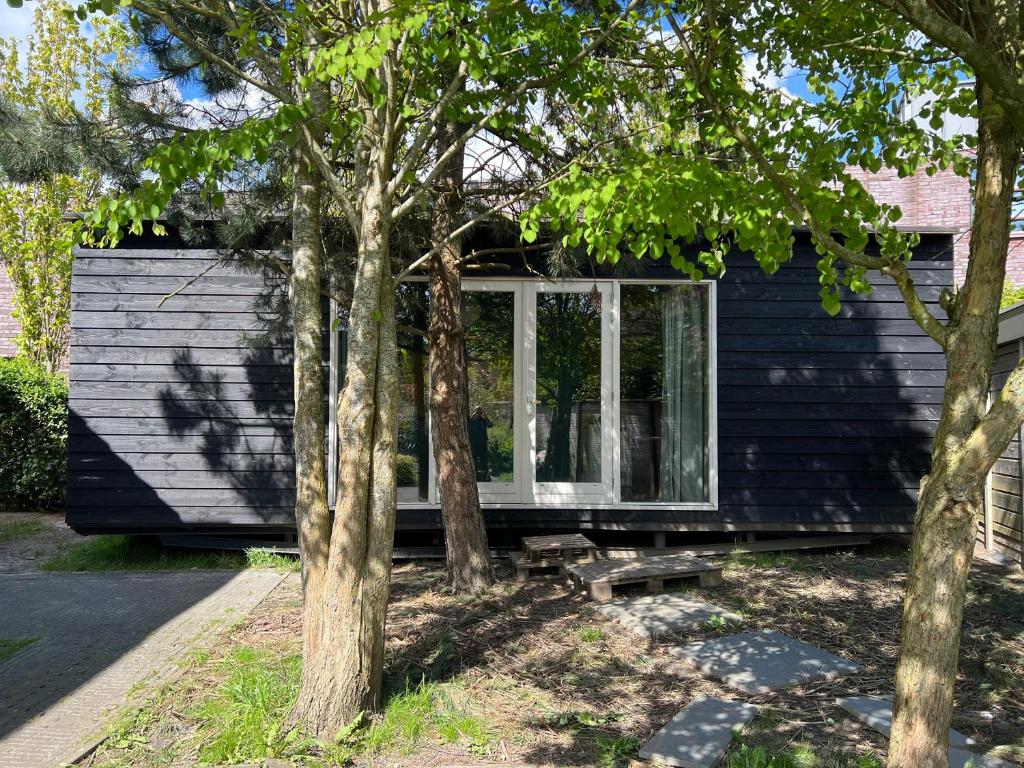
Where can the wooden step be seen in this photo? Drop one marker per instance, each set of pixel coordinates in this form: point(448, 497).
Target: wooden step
point(599, 578)
point(566, 547)
point(536, 570)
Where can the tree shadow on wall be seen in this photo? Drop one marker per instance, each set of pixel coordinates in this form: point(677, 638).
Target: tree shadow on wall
point(242, 418)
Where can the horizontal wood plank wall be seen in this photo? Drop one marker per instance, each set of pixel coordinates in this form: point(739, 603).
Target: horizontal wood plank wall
point(824, 423)
point(1005, 479)
point(825, 420)
point(180, 415)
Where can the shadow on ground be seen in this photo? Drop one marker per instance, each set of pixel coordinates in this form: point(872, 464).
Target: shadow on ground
point(85, 624)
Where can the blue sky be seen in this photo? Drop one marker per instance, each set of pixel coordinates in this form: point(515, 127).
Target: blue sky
point(16, 22)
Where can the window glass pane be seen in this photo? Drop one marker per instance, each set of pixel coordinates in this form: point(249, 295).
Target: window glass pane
point(413, 461)
point(663, 377)
point(568, 408)
point(489, 322)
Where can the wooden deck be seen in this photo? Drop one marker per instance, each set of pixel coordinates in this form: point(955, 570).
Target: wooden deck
point(597, 579)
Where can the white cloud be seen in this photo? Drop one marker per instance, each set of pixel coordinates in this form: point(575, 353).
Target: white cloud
point(17, 23)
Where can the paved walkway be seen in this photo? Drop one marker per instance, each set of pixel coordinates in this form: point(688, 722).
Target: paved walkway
point(99, 635)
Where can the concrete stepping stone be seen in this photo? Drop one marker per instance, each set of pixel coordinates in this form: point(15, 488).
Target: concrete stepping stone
point(652, 615)
point(961, 758)
point(758, 662)
point(877, 713)
point(699, 734)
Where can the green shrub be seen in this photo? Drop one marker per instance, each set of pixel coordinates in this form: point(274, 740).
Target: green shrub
point(406, 470)
point(34, 435)
point(500, 448)
point(1012, 294)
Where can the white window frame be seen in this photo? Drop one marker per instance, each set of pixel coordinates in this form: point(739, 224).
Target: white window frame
point(523, 495)
point(567, 494)
point(509, 492)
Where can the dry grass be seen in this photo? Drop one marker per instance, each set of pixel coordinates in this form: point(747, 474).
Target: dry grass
point(557, 684)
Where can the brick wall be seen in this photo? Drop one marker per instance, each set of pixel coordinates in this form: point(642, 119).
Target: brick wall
point(1015, 259)
point(8, 325)
point(942, 200)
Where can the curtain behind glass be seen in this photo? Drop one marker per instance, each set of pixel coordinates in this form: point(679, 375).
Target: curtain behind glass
point(684, 416)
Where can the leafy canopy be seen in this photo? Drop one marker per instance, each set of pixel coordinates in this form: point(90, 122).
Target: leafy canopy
point(391, 78)
point(62, 80)
point(740, 162)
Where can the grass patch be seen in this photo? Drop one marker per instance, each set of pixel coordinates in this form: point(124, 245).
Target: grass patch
point(800, 756)
point(135, 553)
point(591, 634)
point(616, 750)
point(12, 530)
point(265, 558)
point(429, 709)
point(10, 646)
point(233, 708)
point(242, 720)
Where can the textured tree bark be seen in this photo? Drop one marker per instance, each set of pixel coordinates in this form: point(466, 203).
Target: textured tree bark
point(311, 513)
point(342, 679)
point(465, 538)
point(952, 494)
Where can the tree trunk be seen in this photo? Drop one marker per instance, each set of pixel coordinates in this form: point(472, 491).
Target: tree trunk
point(952, 495)
point(311, 513)
point(342, 678)
point(465, 538)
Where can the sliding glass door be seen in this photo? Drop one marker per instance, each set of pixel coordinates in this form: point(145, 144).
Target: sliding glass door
point(569, 392)
point(580, 393)
point(665, 435)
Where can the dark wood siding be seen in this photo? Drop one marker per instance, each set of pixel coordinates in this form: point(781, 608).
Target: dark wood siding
point(823, 423)
point(1004, 497)
point(179, 415)
point(825, 420)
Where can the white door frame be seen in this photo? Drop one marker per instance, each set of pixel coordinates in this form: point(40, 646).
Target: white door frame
point(562, 492)
point(509, 492)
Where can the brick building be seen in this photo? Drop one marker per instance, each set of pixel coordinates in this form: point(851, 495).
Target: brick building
point(8, 325)
point(942, 201)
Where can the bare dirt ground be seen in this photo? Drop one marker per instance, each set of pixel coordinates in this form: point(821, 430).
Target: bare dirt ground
point(557, 684)
point(24, 553)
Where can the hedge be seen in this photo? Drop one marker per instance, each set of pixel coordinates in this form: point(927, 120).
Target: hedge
point(33, 436)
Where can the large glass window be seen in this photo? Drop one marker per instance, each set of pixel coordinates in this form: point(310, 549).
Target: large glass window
point(413, 460)
point(543, 417)
point(568, 387)
point(663, 408)
point(489, 322)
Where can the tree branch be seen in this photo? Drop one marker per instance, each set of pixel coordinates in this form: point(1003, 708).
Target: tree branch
point(172, 26)
point(895, 269)
point(441, 163)
point(984, 58)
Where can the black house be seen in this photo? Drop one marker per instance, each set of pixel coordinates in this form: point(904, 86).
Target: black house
point(646, 402)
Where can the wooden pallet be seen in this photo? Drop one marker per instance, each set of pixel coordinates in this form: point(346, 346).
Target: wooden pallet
point(599, 578)
point(566, 547)
point(536, 570)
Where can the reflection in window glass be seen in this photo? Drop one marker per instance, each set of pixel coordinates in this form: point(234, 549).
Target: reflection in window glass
point(413, 460)
point(489, 321)
point(663, 377)
point(568, 408)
